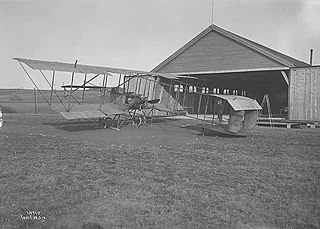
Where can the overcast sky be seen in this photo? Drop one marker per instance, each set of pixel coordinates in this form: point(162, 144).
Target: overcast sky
point(139, 34)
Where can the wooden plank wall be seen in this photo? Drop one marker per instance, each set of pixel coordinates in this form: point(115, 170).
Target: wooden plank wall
point(304, 94)
point(217, 52)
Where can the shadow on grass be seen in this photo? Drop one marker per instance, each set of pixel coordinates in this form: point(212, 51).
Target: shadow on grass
point(74, 126)
point(212, 133)
point(83, 125)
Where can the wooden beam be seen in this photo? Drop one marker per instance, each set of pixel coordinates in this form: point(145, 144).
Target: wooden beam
point(285, 77)
point(235, 70)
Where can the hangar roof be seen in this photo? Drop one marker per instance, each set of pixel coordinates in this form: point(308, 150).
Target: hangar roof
point(216, 50)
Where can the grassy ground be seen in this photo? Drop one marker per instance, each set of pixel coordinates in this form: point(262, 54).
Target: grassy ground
point(159, 176)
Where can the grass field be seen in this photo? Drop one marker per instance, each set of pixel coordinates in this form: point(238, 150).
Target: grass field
point(159, 176)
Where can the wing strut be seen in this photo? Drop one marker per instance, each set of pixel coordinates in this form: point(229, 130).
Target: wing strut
point(84, 87)
point(52, 89)
point(33, 82)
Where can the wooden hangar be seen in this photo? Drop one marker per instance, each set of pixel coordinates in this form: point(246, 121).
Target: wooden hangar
point(220, 62)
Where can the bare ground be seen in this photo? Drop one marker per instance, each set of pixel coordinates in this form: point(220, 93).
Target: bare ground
point(159, 176)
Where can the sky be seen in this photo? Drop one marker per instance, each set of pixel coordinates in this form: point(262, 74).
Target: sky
point(140, 34)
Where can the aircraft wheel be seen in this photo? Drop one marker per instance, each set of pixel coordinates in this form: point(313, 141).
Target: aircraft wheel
point(137, 121)
point(107, 122)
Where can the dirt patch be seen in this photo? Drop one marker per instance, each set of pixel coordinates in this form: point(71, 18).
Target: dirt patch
point(158, 176)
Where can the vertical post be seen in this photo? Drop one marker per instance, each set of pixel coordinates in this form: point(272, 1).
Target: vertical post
point(119, 80)
point(72, 77)
point(84, 87)
point(135, 90)
point(185, 93)
point(140, 78)
point(145, 86)
point(199, 104)
point(101, 89)
point(311, 52)
point(53, 73)
point(170, 88)
point(105, 88)
point(222, 109)
point(154, 88)
point(149, 82)
point(214, 108)
point(128, 81)
point(35, 100)
point(205, 112)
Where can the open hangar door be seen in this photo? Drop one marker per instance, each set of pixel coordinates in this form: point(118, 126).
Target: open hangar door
point(251, 84)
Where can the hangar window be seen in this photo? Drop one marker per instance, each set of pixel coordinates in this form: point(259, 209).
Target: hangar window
point(178, 88)
point(192, 89)
point(205, 90)
point(226, 91)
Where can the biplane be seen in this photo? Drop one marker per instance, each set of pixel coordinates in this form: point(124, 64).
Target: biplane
point(135, 103)
point(142, 96)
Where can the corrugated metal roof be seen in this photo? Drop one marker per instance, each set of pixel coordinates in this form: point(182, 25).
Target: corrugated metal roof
point(276, 56)
point(85, 69)
point(239, 103)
